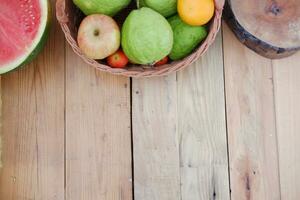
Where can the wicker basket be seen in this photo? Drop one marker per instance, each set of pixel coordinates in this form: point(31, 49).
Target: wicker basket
point(70, 17)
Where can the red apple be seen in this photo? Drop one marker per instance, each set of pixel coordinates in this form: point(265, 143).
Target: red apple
point(162, 61)
point(118, 60)
point(98, 36)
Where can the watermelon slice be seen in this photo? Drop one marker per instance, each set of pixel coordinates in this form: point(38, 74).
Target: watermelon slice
point(24, 28)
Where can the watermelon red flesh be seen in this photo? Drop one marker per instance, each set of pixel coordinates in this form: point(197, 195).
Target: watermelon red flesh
point(20, 29)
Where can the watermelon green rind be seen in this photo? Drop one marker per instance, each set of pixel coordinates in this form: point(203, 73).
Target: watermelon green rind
point(38, 43)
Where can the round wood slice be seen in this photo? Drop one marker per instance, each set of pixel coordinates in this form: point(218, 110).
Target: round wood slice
point(269, 27)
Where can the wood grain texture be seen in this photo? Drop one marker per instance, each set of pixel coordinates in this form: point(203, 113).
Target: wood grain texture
point(155, 139)
point(287, 98)
point(280, 20)
point(252, 136)
point(33, 126)
point(98, 148)
point(202, 128)
point(269, 28)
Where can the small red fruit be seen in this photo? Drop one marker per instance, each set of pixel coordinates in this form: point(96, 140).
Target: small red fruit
point(118, 60)
point(162, 61)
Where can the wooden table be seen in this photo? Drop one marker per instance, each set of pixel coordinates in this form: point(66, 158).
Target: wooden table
point(230, 122)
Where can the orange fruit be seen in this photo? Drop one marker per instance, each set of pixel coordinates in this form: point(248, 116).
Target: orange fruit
point(196, 12)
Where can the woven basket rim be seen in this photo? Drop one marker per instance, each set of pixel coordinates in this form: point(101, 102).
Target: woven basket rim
point(142, 71)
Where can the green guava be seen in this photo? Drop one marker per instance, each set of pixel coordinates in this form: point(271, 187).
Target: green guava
point(140, 3)
point(106, 7)
point(147, 36)
point(165, 7)
point(186, 37)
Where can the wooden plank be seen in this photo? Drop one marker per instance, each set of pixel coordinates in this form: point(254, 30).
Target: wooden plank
point(155, 139)
point(251, 123)
point(287, 98)
point(202, 128)
point(98, 136)
point(33, 126)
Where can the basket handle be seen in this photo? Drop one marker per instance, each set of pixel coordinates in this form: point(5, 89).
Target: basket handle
point(61, 14)
point(219, 4)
